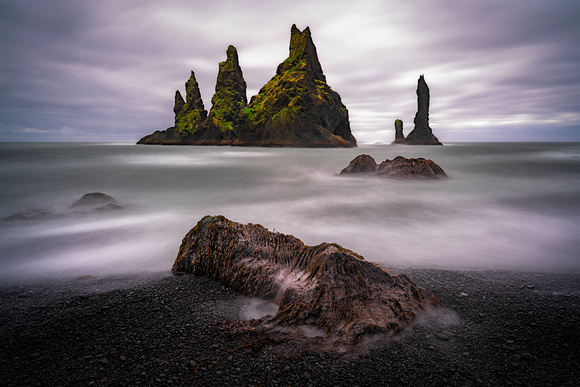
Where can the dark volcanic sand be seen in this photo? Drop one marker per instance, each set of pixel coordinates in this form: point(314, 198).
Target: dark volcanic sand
point(509, 328)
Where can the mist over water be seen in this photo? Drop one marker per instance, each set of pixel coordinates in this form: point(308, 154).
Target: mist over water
point(504, 206)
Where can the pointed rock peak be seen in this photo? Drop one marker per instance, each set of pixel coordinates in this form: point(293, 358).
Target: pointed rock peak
point(232, 54)
point(192, 94)
point(179, 103)
point(303, 54)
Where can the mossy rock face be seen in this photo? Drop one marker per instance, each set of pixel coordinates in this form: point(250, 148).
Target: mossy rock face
point(326, 287)
point(229, 98)
point(297, 107)
point(190, 115)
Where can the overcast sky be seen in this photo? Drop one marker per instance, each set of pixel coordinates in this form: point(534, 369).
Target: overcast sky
point(108, 70)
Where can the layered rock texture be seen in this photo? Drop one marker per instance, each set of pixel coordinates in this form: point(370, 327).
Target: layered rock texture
point(422, 133)
point(326, 286)
point(399, 167)
point(296, 108)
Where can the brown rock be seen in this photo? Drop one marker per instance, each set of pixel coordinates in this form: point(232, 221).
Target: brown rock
point(361, 164)
point(325, 286)
point(399, 167)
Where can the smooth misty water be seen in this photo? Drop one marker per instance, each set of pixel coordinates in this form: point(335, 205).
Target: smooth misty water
point(504, 206)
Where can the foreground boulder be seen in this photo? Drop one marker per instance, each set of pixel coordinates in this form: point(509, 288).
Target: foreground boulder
point(326, 286)
point(399, 167)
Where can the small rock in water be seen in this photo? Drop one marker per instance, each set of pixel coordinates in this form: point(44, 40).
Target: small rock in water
point(463, 294)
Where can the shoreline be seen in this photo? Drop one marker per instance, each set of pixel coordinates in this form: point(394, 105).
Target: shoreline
point(493, 328)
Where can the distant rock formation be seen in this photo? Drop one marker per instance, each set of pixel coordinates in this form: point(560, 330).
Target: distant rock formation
point(325, 286)
point(296, 108)
point(399, 167)
point(399, 136)
point(422, 133)
point(193, 126)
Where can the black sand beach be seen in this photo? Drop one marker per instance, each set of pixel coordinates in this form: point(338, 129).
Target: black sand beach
point(494, 328)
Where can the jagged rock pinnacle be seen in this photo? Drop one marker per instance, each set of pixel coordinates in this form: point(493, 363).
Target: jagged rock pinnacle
point(230, 95)
point(422, 133)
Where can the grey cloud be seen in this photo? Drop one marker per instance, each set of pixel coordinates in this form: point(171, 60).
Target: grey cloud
point(108, 69)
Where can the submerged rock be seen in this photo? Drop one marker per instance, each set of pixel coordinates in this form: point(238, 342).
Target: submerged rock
point(399, 167)
point(422, 133)
point(326, 287)
point(94, 201)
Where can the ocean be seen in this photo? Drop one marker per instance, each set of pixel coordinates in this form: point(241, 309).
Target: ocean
point(505, 206)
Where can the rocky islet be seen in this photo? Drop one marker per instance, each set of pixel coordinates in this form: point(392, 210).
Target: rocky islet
point(422, 134)
point(400, 168)
point(296, 108)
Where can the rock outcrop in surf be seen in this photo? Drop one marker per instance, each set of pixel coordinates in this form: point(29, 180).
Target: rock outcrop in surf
point(399, 167)
point(421, 133)
point(326, 286)
point(88, 203)
point(296, 108)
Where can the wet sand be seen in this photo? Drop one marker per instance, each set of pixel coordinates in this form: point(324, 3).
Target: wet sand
point(493, 328)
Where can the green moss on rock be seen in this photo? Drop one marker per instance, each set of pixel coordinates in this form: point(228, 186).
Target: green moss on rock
point(297, 107)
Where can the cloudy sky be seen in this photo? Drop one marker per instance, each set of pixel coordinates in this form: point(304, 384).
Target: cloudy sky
point(107, 70)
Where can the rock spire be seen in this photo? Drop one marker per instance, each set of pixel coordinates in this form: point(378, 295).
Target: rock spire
point(297, 107)
point(422, 133)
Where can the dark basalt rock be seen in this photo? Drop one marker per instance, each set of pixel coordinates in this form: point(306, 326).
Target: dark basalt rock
point(422, 133)
point(399, 136)
point(325, 286)
point(399, 167)
point(361, 164)
point(95, 201)
point(295, 108)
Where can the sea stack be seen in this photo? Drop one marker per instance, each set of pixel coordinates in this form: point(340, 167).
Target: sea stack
point(399, 136)
point(297, 108)
point(422, 133)
point(326, 287)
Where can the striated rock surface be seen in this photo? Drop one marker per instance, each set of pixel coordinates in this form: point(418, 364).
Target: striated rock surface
point(326, 286)
point(297, 107)
point(422, 133)
point(399, 136)
point(399, 167)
